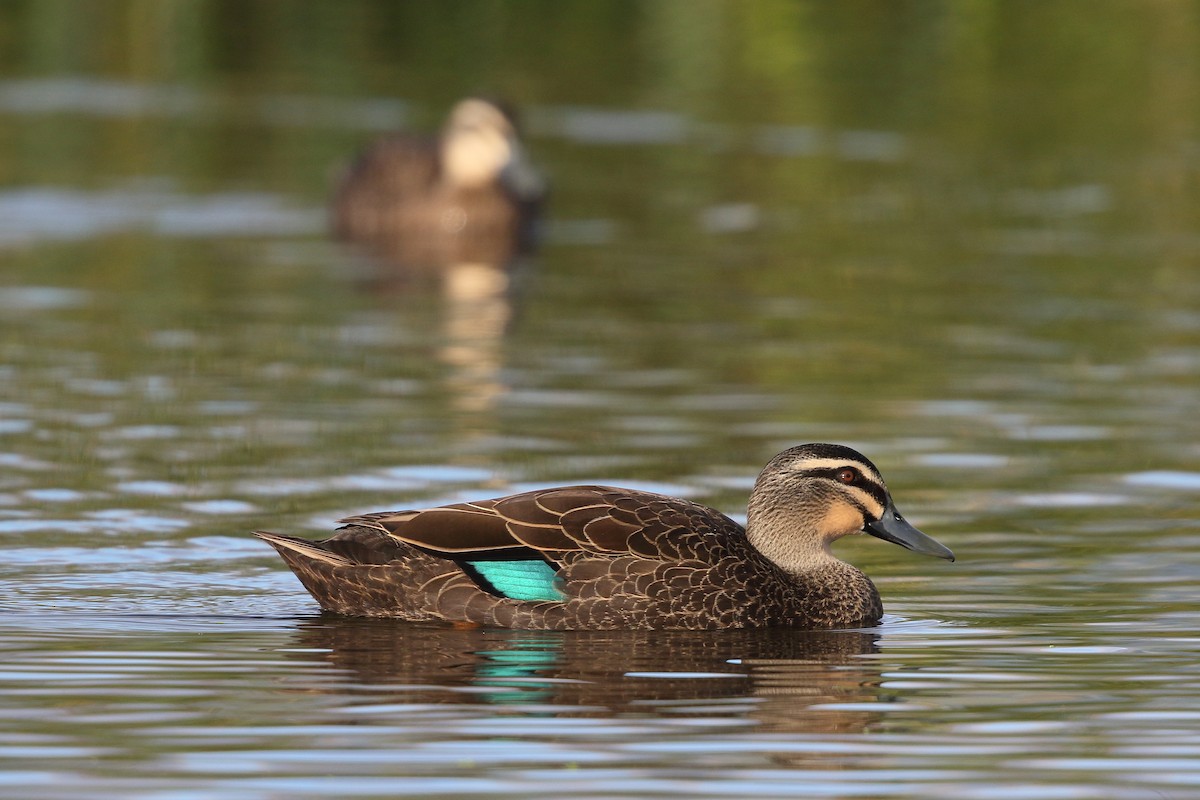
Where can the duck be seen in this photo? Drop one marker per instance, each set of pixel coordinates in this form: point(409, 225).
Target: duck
point(604, 558)
point(469, 195)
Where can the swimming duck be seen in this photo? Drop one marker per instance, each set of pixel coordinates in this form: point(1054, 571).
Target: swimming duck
point(598, 557)
point(468, 196)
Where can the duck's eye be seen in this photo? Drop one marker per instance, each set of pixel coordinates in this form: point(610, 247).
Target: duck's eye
point(847, 475)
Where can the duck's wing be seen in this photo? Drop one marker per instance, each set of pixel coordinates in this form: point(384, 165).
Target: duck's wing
point(553, 523)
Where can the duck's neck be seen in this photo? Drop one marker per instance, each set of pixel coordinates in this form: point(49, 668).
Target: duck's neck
point(474, 160)
point(834, 594)
point(783, 536)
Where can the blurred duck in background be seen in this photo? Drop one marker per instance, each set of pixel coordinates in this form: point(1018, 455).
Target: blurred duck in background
point(460, 210)
point(469, 196)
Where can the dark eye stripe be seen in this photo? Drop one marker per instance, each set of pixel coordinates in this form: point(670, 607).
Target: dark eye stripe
point(861, 482)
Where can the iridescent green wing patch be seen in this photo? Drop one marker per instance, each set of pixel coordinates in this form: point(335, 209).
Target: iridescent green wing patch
point(520, 580)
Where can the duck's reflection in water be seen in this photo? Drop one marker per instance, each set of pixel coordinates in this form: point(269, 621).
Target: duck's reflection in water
point(810, 681)
point(477, 307)
point(467, 314)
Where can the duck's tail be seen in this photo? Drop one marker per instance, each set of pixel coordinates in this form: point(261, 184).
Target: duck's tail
point(364, 572)
point(293, 547)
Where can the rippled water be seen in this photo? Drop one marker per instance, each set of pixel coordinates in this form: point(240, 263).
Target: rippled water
point(979, 275)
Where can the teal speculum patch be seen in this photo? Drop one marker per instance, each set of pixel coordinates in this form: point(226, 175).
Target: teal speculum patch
point(520, 580)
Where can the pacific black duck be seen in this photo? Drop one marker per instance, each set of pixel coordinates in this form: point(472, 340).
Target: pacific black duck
point(598, 557)
point(469, 195)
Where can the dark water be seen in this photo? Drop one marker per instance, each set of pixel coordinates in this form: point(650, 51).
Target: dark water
point(962, 237)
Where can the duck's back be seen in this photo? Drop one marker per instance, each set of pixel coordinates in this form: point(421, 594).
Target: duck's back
point(382, 189)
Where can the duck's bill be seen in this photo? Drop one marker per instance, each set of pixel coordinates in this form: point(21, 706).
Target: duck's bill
point(520, 177)
point(894, 528)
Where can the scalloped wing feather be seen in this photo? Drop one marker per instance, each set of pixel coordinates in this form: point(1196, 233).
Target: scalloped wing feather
point(554, 522)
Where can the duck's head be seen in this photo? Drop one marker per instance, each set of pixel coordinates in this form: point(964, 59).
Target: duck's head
point(809, 496)
point(479, 147)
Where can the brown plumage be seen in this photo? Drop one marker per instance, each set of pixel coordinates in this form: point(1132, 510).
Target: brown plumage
point(467, 196)
point(601, 557)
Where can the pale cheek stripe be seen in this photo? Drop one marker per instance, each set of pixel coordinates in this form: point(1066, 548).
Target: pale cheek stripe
point(868, 504)
point(829, 465)
point(835, 463)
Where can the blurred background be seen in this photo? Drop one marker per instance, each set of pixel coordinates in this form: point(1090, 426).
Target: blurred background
point(768, 221)
point(961, 236)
